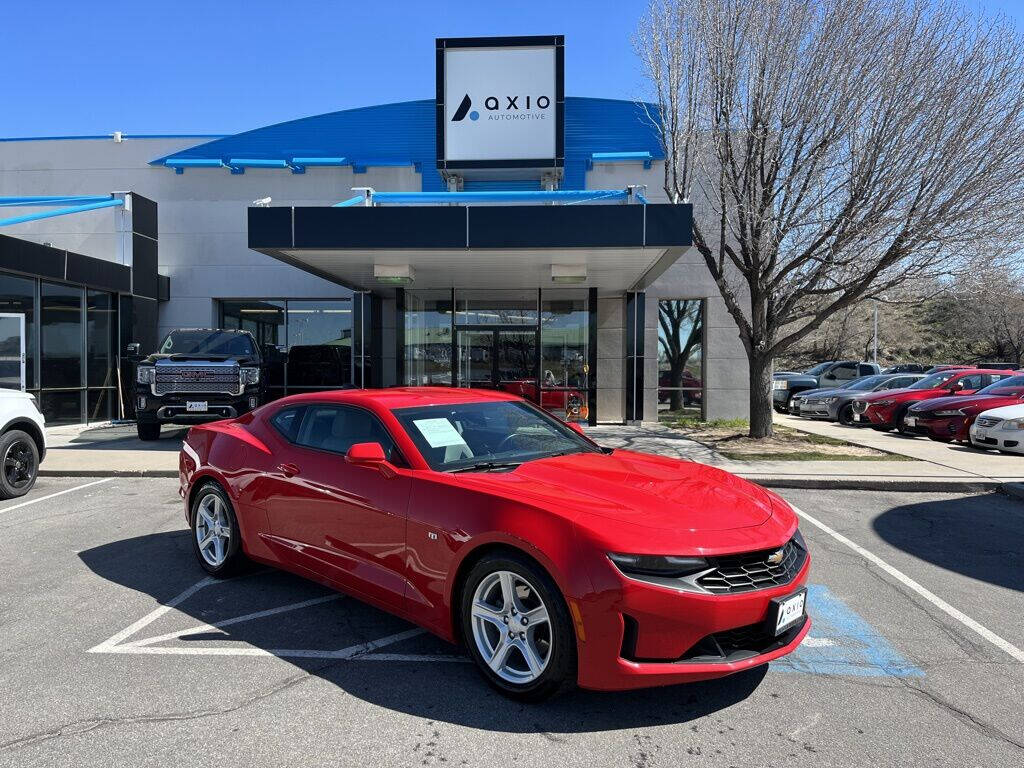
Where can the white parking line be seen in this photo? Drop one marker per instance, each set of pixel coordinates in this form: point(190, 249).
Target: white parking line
point(938, 602)
point(54, 495)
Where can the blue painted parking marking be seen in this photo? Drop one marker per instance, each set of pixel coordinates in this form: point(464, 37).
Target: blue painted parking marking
point(843, 643)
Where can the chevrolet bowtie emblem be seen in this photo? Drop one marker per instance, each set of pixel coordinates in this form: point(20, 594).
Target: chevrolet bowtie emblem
point(776, 557)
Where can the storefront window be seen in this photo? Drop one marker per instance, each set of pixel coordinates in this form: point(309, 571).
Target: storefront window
point(18, 296)
point(265, 321)
point(101, 339)
point(680, 357)
point(564, 338)
point(61, 338)
point(496, 307)
point(319, 344)
point(428, 338)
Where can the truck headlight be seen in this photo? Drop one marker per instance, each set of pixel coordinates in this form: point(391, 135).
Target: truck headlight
point(145, 374)
point(780, 384)
point(250, 376)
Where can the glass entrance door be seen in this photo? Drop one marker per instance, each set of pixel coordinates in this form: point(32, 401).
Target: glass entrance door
point(12, 351)
point(498, 358)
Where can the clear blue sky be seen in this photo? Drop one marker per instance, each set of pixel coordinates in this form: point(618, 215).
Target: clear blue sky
point(223, 66)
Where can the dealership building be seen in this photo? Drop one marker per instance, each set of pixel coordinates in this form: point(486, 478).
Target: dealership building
point(500, 234)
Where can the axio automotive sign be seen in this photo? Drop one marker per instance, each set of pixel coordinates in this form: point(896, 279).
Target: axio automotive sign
point(500, 102)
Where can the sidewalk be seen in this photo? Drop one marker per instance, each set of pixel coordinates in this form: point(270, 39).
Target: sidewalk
point(114, 450)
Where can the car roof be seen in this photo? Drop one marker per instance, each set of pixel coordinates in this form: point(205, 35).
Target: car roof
point(402, 397)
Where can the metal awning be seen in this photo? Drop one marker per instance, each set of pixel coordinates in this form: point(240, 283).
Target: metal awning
point(610, 247)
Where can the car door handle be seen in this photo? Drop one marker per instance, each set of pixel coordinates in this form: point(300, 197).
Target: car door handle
point(288, 469)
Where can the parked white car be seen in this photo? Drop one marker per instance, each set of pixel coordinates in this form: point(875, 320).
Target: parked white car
point(22, 442)
point(1001, 429)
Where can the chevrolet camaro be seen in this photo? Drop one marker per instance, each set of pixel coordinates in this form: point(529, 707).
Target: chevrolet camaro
point(490, 523)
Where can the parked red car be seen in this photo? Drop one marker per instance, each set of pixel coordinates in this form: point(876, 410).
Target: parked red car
point(885, 410)
point(949, 418)
point(487, 521)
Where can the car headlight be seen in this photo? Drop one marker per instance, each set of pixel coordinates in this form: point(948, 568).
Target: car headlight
point(950, 412)
point(780, 384)
point(145, 374)
point(250, 376)
point(1012, 424)
point(831, 400)
point(883, 402)
point(666, 566)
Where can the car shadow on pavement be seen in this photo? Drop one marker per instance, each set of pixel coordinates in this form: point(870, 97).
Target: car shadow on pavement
point(443, 686)
point(980, 537)
point(124, 439)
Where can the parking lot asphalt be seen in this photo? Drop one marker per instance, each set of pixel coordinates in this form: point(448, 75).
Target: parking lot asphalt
point(115, 650)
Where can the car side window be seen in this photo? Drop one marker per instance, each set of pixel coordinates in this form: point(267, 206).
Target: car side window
point(844, 371)
point(336, 428)
point(287, 421)
point(972, 382)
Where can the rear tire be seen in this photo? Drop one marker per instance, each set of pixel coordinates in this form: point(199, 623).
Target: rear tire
point(148, 431)
point(19, 464)
point(216, 538)
point(499, 593)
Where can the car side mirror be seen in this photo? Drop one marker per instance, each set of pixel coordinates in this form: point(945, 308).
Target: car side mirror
point(367, 455)
point(575, 427)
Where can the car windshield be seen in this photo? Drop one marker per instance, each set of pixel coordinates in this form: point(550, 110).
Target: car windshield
point(866, 383)
point(934, 381)
point(818, 369)
point(1010, 387)
point(488, 435)
point(207, 343)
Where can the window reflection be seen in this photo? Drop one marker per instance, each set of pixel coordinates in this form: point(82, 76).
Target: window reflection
point(61, 337)
point(680, 356)
point(319, 344)
point(101, 339)
point(428, 338)
point(18, 296)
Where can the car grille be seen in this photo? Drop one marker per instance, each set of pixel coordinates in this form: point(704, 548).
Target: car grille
point(987, 421)
point(197, 380)
point(752, 570)
point(740, 643)
point(859, 406)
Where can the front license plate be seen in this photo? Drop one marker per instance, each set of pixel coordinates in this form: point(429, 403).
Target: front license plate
point(789, 610)
point(197, 406)
point(910, 421)
point(981, 434)
point(858, 417)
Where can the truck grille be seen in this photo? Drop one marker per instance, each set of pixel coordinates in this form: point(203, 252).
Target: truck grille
point(197, 379)
point(987, 421)
point(753, 570)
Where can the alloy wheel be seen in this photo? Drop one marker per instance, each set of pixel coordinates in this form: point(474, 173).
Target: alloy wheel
point(19, 464)
point(213, 530)
point(511, 627)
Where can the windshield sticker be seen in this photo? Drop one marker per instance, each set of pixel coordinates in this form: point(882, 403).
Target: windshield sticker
point(439, 433)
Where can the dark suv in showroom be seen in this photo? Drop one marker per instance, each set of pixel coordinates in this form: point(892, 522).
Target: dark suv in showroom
point(197, 375)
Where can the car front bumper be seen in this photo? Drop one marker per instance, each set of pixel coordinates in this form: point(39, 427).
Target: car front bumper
point(994, 438)
point(940, 427)
point(637, 635)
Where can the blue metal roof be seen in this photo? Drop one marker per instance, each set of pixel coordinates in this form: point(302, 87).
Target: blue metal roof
point(403, 134)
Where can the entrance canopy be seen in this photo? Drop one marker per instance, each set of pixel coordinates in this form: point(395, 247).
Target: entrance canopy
point(474, 242)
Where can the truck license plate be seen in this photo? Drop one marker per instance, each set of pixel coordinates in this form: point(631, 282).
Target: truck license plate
point(197, 406)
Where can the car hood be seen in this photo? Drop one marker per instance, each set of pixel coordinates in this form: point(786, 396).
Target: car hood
point(798, 378)
point(1006, 412)
point(820, 392)
point(636, 489)
point(886, 394)
point(962, 401)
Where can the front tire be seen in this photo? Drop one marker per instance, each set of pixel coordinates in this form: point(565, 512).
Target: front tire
point(846, 415)
point(517, 629)
point(148, 431)
point(19, 464)
point(216, 539)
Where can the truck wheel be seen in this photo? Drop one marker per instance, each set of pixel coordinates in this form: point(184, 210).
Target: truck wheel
point(148, 431)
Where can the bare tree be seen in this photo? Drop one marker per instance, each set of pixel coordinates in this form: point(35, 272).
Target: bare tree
point(992, 307)
point(833, 150)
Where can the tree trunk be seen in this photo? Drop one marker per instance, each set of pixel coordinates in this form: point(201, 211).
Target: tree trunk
point(760, 396)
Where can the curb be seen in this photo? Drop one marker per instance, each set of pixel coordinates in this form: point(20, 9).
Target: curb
point(1014, 490)
point(108, 473)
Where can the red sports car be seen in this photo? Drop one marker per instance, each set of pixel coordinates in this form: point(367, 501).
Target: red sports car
point(886, 410)
point(487, 521)
point(949, 418)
